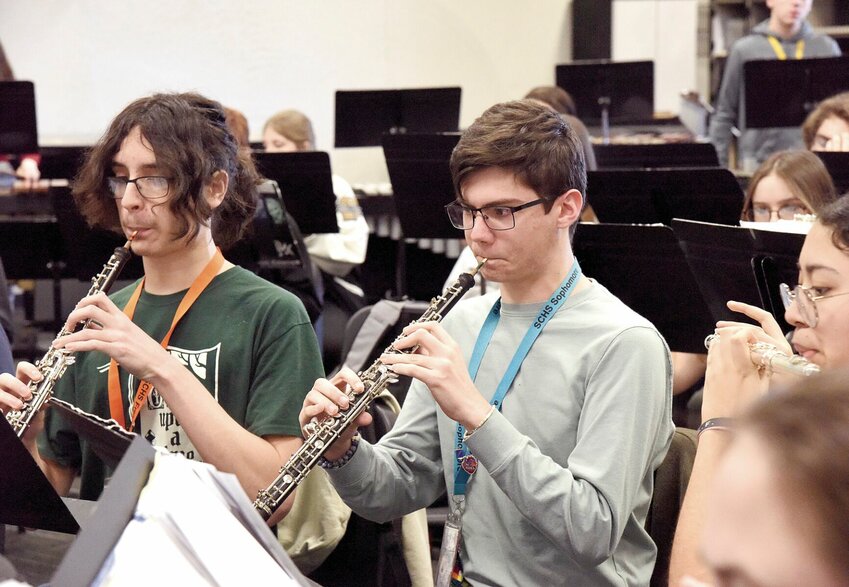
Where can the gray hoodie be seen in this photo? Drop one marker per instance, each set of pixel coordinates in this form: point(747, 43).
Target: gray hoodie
point(756, 145)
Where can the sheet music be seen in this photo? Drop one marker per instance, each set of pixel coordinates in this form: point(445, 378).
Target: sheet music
point(789, 226)
point(185, 514)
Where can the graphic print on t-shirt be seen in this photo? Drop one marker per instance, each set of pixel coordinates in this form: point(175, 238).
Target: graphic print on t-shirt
point(158, 423)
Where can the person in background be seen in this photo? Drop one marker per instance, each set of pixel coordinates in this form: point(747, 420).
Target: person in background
point(786, 184)
point(777, 510)
point(561, 102)
point(549, 463)
point(827, 127)
point(238, 124)
point(289, 131)
point(200, 357)
point(818, 309)
point(786, 34)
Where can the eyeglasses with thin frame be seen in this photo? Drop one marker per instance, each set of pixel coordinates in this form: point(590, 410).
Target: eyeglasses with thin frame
point(150, 187)
point(788, 212)
point(495, 217)
point(805, 301)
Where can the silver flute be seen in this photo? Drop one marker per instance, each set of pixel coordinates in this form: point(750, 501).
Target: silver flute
point(54, 363)
point(375, 379)
point(768, 357)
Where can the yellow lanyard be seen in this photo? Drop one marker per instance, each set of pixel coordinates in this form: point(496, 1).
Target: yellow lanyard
point(779, 50)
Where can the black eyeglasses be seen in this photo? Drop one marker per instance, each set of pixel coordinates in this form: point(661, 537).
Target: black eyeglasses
point(150, 187)
point(495, 217)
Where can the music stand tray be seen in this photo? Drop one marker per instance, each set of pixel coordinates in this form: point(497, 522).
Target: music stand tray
point(306, 182)
point(627, 259)
point(649, 196)
point(421, 182)
point(781, 93)
point(363, 116)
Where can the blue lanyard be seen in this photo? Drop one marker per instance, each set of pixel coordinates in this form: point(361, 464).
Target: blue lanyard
point(465, 464)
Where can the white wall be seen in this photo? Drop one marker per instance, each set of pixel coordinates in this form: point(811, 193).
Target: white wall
point(666, 31)
point(89, 58)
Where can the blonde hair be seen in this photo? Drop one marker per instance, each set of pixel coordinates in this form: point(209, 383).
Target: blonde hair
point(295, 126)
point(803, 172)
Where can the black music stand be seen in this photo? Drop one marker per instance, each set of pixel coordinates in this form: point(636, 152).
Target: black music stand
point(306, 183)
point(742, 264)
point(31, 245)
point(608, 92)
point(421, 182)
point(781, 93)
point(26, 496)
point(837, 164)
point(421, 186)
point(645, 268)
point(85, 249)
point(363, 116)
point(61, 162)
point(616, 156)
point(648, 196)
point(18, 130)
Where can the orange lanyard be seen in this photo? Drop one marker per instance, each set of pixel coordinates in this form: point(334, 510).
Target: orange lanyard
point(116, 405)
point(779, 50)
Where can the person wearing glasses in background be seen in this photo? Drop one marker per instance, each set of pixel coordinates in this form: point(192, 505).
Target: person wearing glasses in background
point(225, 384)
point(786, 34)
point(818, 310)
point(827, 127)
point(548, 462)
point(788, 184)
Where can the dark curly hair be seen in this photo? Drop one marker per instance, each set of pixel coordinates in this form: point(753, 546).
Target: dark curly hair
point(190, 138)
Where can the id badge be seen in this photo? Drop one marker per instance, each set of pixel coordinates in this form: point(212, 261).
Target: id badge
point(450, 548)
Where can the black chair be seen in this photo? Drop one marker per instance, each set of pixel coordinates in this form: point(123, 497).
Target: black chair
point(670, 485)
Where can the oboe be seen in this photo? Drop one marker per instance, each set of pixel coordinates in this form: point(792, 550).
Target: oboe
point(54, 363)
point(768, 357)
point(375, 379)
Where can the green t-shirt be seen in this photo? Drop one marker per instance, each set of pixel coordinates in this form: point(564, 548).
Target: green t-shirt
point(248, 341)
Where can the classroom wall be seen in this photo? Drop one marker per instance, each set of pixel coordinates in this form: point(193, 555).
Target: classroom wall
point(89, 58)
point(673, 33)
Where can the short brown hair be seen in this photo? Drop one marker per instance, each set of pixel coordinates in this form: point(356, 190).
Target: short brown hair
point(837, 105)
point(807, 431)
point(529, 139)
point(556, 97)
point(803, 172)
point(190, 138)
point(295, 126)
